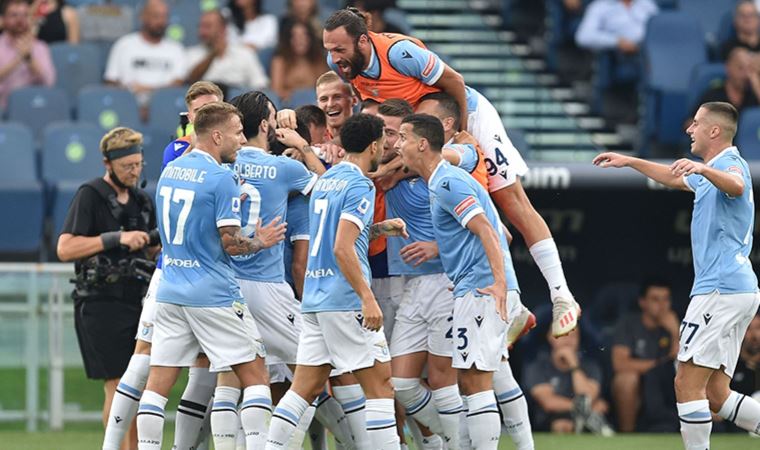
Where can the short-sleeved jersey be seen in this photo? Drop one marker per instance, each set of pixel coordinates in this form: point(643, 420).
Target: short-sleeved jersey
point(456, 198)
point(174, 150)
point(472, 161)
point(298, 230)
point(342, 193)
point(721, 230)
point(267, 182)
point(195, 197)
point(409, 200)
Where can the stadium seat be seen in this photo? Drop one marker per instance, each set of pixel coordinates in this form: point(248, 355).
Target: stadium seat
point(674, 44)
point(76, 66)
point(184, 17)
point(154, 143)
point(108, 107)
point(17, 153)
point(61, 200)
point(164, 108)
point(300, 97)
point(71, 152)
point(748, 134)
point(275, 7)
point(265, 57)
point(726, 30)
point(708, 13)
point(704, 77)
point(25, 201)
point(37, 107)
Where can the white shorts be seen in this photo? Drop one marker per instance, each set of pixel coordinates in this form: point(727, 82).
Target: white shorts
point(713, 329)
point(388, 292)
point(279, 373)
point(227, 335)
point(145, 330)
point(423, 321)
point(478, 333)
point(338, 338)
point(503, 162)
point(278, 317)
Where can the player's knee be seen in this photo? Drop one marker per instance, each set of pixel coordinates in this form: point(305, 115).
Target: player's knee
point(439, 377)
point(717, 394)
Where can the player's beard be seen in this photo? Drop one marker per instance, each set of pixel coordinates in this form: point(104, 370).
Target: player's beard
point(357, 64)
point(271, 137)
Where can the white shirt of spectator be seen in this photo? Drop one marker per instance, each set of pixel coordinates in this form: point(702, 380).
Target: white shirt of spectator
point(260, 32)
point(607, 21)
point(239, 66)
point(135, 61)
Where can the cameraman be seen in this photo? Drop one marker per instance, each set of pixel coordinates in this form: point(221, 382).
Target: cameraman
point(107, 235)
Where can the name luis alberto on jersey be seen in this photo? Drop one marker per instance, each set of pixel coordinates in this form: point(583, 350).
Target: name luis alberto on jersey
point(247, 170)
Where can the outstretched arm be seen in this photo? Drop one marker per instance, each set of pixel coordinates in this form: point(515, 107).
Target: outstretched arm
point(656, 171)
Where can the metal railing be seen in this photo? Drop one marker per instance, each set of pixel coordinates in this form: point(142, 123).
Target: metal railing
point(34, 293)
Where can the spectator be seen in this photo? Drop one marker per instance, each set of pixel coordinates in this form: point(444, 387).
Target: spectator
point(24, 60)
point(221, 61)
point(742, 85)
point(747, 25)
point(298, 60)
point(615, 25)
point(567, 389)
point(643, 351)
point(254, 29)
point(146, 60)
point(55, 21)
point(306, 11)
point(376, 10)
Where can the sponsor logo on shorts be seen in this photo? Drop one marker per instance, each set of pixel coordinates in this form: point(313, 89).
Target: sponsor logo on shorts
point(291, 319)
point(479, 320)
point(707, 317)
point(237, 307)
point(464, 356)
point(319, 273)
point(183, 263)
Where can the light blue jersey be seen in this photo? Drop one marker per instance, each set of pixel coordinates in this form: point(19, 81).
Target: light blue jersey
point(267, 180)
point(195, 197)
point(298, 229)
point(342, 193)
point(409, 200)
point(468, 155)
point(721, 230)
point(456, 198)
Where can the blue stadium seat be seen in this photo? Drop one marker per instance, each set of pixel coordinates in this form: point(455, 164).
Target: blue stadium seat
point(25, 200)
point(154, 143)
point(235, 91)
point(76, 66)
point(708, 13)
point(300, 97)
point(17, 153)
point(164, 108)
point(265, 57)
point(748, 135)
point(726, 30)
point(184, 17)
point(704, 77)
point(61, 200)
point(674, 44)
point(37, 107)
point(108, 107)
point(275, 7)
point(71, 152)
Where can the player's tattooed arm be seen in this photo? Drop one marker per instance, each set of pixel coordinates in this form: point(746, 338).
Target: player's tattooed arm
point(235, 243)
point(389, 227)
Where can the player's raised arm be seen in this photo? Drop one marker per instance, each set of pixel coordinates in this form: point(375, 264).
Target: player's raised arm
point(452, 83)
point(660, 173)
point(235, 243)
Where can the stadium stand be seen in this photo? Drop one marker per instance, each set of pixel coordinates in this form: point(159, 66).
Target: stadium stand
point(748, 133)
point(164, 108)
point(36, 107)
point(76, 66)
point(107, 107)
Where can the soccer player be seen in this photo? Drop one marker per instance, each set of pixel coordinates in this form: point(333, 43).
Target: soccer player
point(336, 98)
point(199, 306)
point(473, 250)
point(342, 322)
point(192, 409)
point(382, 66)
point(724, 297)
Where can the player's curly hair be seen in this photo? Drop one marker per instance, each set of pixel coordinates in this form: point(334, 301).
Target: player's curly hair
point(356, 22)
point(360, 131)
point(118, 138)
point(254, 106)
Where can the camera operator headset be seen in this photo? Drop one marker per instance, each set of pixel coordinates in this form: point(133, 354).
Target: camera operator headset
point(110, 233)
